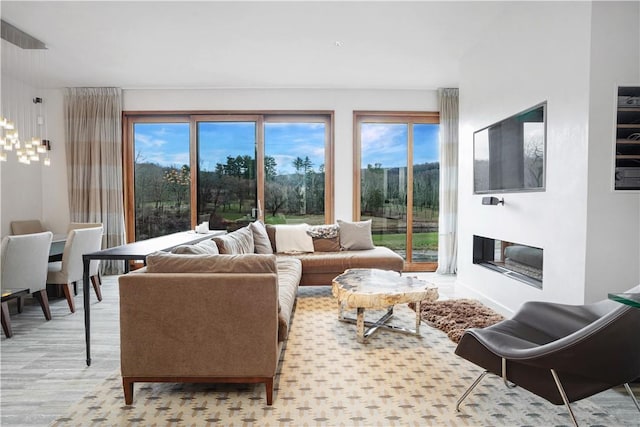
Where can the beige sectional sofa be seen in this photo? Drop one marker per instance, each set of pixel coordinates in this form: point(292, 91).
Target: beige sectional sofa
point(198, 316)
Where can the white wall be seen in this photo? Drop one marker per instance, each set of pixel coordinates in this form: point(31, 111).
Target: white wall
point(343, 102)
point(613, 221)
point(550, 52)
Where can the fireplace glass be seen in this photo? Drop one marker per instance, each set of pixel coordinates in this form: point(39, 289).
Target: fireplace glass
point(518, 261)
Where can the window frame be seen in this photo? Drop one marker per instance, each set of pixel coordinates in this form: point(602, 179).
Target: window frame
point(130, 118)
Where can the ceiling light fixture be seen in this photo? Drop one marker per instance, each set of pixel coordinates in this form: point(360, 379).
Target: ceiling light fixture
point(24, 133)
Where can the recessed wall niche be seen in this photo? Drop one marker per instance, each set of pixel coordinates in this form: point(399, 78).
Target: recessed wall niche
point(515, 260)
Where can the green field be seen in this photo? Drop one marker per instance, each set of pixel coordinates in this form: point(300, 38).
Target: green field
point(398, 241)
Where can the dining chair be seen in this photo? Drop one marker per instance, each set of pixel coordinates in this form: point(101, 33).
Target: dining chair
point(26, 227)
point(24, 265)
point(94, 266)
point(70, 269)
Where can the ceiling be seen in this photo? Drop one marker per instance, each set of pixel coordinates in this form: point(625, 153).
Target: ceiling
point(262, 44)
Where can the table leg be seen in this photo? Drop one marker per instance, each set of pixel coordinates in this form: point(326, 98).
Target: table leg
point(360, 325)
point(6, 321)
point(87, 317)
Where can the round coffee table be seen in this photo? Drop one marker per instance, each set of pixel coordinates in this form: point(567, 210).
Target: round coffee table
point(362, 288)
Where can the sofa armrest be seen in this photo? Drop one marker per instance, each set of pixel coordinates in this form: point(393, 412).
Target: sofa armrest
point(190, 325)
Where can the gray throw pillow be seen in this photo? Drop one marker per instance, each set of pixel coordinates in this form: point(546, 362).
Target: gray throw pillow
point(210, 246)
point(189, 250)
point(261, 241)
point(355, 235)
point(237, 242)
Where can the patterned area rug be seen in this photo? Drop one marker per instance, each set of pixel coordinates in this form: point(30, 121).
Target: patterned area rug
point(327, 378)
point(457, 315)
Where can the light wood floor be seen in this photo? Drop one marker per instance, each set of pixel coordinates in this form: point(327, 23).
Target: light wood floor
point(43, 369)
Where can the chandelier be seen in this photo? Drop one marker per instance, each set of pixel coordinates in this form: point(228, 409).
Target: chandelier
point(23, 124)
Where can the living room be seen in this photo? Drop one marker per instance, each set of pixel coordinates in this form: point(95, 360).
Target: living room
point(572, 55)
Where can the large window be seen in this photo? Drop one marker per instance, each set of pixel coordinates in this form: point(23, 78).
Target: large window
point(228, 169)
point(396, 163)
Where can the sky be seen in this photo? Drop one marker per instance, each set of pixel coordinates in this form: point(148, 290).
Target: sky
point(386, 143)
point(167, 144)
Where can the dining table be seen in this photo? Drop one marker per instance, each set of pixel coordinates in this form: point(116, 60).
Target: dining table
point(57, 247)
point(134, 251)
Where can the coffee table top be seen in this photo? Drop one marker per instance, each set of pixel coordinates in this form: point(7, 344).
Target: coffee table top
point(374, 288)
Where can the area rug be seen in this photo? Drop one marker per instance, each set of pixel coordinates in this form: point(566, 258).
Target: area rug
point(326, 378)
point(455, 316)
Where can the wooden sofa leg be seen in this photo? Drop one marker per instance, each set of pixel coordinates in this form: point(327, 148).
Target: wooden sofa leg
point(269, 387)
point(127, 385)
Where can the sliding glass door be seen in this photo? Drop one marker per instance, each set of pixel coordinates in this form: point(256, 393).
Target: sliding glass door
point(227, 169)
point(227, 172)
point(397, 169)
point(161, 178)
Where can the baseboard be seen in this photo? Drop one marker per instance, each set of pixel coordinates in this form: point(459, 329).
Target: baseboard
point(464, 291)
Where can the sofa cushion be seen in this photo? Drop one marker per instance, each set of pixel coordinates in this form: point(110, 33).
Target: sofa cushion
point(261, 241)
point(289, 273)
point(355, 235)
point(326, 238)
point(205, 247)
point(164, 262)
point(237, 242)
point(337, 262)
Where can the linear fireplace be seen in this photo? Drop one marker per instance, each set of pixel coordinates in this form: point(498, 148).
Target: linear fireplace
point(518, 261)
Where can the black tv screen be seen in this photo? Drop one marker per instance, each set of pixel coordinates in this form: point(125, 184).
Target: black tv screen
point(509, 155)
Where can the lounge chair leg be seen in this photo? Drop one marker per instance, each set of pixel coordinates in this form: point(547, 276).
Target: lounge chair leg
point(470, 389)
point(626, 385)
point(564, 397)
point(504, 375)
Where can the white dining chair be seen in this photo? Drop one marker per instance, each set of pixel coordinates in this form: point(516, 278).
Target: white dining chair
point(94, 266)
point(26, 227)
point(70, 270)
point(24, 265)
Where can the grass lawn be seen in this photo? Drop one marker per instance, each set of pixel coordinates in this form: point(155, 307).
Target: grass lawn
point(398, 241)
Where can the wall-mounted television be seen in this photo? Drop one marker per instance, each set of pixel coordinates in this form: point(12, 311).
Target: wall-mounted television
point(509, 156)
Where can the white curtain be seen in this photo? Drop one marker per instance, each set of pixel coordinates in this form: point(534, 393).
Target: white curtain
point(93, 133)
point(448, 219)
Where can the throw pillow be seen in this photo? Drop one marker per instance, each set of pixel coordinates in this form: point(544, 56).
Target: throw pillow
point(271, 232)
point(189, 250)
point(237, 242)
point(261, 240)
point(293, 239)
point(210, 246)
point(326, 238)
point(355, 235)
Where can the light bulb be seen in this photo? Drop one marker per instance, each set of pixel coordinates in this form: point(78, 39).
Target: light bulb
point(3, 156)
point(47, 161)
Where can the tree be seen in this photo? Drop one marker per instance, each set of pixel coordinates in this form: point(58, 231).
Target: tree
point(178, 182)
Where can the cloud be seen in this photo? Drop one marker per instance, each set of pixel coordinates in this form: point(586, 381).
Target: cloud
point(149, 141)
